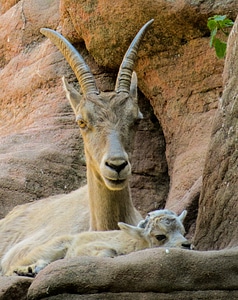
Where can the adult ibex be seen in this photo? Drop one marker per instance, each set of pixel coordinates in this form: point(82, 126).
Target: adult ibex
point(107, 123)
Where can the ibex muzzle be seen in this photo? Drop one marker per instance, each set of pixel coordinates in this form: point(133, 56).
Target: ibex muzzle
point(107, 119)
point(115, 166)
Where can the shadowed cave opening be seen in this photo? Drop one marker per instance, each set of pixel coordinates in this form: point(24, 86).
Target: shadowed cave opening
point(150, 179)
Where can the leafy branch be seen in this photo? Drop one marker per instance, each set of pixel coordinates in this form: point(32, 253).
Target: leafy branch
point(215, 24)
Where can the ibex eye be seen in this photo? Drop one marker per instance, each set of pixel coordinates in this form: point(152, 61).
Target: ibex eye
point(160, 237)
point(81, 124)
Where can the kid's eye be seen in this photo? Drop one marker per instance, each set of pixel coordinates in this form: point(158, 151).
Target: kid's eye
point(160, 237)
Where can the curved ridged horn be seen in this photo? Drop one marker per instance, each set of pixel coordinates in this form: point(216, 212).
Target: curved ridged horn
point(123, 81)
point(75, 60)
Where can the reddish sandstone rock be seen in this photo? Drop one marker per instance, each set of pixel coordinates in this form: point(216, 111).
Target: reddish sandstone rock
point(218, 207)
point(5, 5)
point(39, 141)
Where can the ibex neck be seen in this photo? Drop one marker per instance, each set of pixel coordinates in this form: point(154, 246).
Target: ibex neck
point(108, 207)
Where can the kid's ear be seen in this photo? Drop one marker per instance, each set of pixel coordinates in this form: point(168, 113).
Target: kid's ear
point(134, 231)
point(72, 95)
point(183, 215)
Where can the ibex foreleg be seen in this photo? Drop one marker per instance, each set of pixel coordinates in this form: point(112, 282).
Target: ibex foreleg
point(41, 256)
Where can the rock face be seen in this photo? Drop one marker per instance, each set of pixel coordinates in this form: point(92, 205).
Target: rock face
point(218, 207)
point(186, 145)
point(36, 126)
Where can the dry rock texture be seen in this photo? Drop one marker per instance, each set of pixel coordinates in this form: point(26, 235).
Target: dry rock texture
point(172, 272)
point(38, 147)
point(184, 295)
point(218, 208)
point(14, 288)
point(180, 150)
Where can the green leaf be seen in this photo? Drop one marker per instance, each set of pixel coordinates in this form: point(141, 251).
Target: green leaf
point(227, 23)
point(211, 24)
point(220, 48)
point(219, 18)
point(213, 34)
point(214, 24)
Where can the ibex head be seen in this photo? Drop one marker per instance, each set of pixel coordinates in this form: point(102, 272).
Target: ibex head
point(106, 120)
point(165, 229)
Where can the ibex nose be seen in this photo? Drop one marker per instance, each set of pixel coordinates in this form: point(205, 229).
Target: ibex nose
point(117, 166)
point(186, 245)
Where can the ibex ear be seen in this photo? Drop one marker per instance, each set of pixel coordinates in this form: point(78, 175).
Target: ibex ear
point(133, 87)
point(134, 231)
point(72, 95)
point(182, 215)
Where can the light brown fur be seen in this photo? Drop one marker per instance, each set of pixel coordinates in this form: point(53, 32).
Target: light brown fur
point(161, 229)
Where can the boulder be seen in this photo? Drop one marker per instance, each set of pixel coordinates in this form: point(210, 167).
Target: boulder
point(181, 295)
point(149, 271)
point(14, 287)
point(218, 207)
